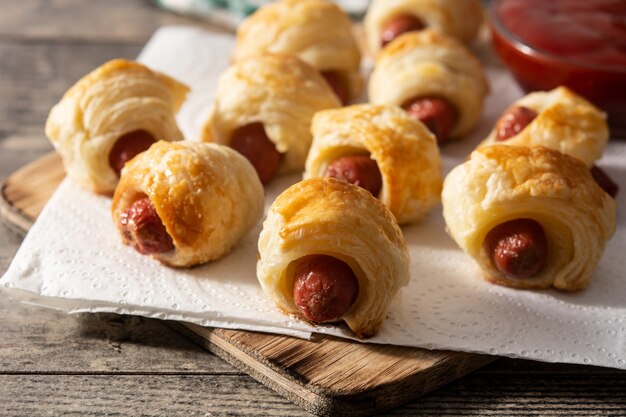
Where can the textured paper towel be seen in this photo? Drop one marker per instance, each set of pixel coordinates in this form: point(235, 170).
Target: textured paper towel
point(72, 259)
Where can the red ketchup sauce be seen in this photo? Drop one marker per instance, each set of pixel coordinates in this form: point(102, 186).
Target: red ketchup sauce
point(577, 43)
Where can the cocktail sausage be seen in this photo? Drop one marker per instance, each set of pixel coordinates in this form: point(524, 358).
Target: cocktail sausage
point(436, 113)
point(518, 248)
point(324, 288)
point(359, 170)
point(143, 229)
point(252, 142)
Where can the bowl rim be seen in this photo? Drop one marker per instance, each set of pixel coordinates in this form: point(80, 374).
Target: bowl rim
point(520, 45)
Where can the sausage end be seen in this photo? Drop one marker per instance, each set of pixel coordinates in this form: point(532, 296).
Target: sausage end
point(252, 142)
point(142, 228)
point(518, 248)
point(324, 288)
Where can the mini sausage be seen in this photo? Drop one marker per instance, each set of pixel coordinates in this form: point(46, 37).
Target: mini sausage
point(518, 248)
point(143, 229)
point(436, 113)
point(359, 170)
point(604, 181)
point(127, 147)
point(399, 25)
point(513, 121)
point(252, 142)
point(324, 288)
point(338, 85)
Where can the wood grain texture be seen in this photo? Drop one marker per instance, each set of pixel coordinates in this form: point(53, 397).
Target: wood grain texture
point(138, 395)
point(238, 395)
point(325, 376)
point(329, 376)
point(42, 341)
point(120, 21)
point(27, 202)
point(92, 365)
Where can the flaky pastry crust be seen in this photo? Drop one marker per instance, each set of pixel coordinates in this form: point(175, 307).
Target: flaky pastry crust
point(208, 197)
point(116, 98)
point(316, 31)
point(565, 122)
point(405, 151)
point(501, 183)
point(332, 217)
point(430, 64)
point(280, 91)
point(459, 19)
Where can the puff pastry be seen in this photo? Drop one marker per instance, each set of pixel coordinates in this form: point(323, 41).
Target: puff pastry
point(505, 183)
point(279, 91)
point(564, 121)
point(332, 217)
point(460, 19)
point(431, 64)
point(316, 31)
point(405, 151)
point(119, 98)
point(207, 197)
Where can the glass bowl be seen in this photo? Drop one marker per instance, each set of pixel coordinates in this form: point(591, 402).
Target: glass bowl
point(547, 43)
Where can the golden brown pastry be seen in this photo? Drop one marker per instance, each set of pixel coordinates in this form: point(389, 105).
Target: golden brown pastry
point(109, 116)
point(557, 119)
point(186, 203)
point(330, 251)
point(387, 19)
point(531, 217)
point(316, 31)
point(435, 78)
point(382, 149)
point(263, 108)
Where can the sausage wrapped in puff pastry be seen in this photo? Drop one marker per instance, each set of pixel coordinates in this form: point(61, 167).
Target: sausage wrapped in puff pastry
point(387, 19)
point(330, 251)
point(531, 217)
point(111, 115)
point(316, 31)
point(186, 203)
point(558, 119)
point(263, 108)
point(382, 149)
point(435, 78)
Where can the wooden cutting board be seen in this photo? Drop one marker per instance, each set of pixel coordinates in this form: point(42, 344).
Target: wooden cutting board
point(326, 376)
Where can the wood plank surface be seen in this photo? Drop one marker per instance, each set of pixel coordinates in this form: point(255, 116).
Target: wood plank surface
point(100, 21)
point(325, 376)
point(104, 365)
point(49, 342)
point(238, 395)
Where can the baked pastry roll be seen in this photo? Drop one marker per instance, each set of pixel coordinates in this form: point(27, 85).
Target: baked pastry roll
point(531, 217)
point(382, 149)
point(109, 116)
point(387, 19)
point(263, 108)
point(330, 251)
point(435, 78)
point(186, 203)
point(557, 119)
point(316, 31)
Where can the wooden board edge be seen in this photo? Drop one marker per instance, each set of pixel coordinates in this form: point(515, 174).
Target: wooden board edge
point(13, 218)
point(16, 220)
point(261, 372)
point(320, 401)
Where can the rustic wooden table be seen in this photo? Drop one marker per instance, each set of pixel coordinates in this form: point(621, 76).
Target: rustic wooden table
point(101, 364)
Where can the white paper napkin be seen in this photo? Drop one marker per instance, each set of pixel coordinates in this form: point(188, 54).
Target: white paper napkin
point(73, 260)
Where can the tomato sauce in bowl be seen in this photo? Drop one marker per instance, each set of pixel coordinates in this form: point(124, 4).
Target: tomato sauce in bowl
point(577, 43)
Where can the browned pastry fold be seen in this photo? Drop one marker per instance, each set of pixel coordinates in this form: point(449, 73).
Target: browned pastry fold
point(501, 183)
